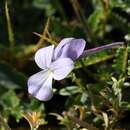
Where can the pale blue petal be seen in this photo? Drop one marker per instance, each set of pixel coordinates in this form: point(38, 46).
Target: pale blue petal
point(61, 68)
point(40, 85)
point(70, 48)
point(58, 49)
point(43, 57)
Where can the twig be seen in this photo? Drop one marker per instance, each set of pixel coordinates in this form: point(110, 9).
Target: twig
point(40, 42)
point(45, 38)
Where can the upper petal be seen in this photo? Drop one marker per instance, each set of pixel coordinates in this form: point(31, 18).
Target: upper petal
point(59, 48)
point(43, 57)
point(40, 85)
point(61, 68)
point(70, 47)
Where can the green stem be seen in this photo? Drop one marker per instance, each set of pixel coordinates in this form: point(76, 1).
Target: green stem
point(125, 61)
point(103, 59)
point(10, 30)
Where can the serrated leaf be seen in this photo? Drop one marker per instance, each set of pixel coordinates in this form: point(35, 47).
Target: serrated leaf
point(11, 105)
point(67, 91)
point(119, 60)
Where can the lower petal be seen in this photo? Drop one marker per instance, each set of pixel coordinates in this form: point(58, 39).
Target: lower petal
point(40, 85)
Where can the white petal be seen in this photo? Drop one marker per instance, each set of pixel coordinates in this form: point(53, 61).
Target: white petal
point(43, 57)
point(40, 85)
point(61, 68)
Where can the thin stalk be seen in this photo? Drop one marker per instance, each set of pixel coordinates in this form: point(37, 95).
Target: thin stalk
point(106, 6)
point(125, 60)
point(98, 49)
point(45, 38)
point(9, 26)
point(45, 30)
point(100, 60)
point(106, 10)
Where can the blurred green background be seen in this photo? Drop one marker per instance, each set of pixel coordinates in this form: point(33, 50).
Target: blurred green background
point(95, 95)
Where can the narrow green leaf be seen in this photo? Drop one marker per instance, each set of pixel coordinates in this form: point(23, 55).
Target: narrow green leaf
point(67, 91)
point(9, 25)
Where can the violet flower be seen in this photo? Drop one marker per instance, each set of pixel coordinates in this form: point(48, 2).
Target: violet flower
point(55, 64)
